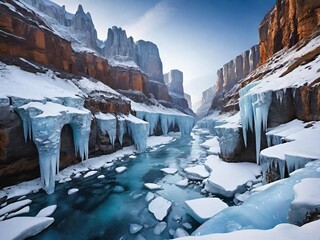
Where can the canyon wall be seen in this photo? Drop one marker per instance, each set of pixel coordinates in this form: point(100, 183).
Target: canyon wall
point(288, 22)
point(206, 101)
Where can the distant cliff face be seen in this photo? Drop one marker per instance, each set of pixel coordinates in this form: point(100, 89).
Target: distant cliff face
point(188, 98)
point(206, 101)
point(234, 71)
point(287, 23)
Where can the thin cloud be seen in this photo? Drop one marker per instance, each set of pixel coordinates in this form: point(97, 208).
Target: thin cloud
point(151, 20)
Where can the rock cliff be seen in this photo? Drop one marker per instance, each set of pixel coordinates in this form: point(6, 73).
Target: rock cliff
point(188, 98)
point(174, 81)
point(232, 72)
point(206, 101)
point(288, 22)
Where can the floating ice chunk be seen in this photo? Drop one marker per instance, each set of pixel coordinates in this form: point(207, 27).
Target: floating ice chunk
point(149, 196)
point(121, 169)
point(23, 227)
point(65, 180)
point(169, 170)
point(21, 211)
point(77, 175)
point(182, 183)
point(159, 207)
point(306, 199)
point(241, 174)
point(180, 232)
point(212, 145)
point(101, 177)
point(242, 197)
point(14, 206)
point(202, 209)
point(133, 156)
point(197, 172)
point(72, 191)
point(134, 228)
point(107, 165)
point(152, 186)
point(47, 211)
point(89, 174)
point(159, 228)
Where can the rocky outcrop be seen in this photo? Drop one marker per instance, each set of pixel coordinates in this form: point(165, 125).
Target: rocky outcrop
point(174, 81)
point(287, 23)
point(206, 101)
point(231, 74)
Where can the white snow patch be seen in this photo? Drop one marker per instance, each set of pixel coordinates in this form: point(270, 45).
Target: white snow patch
point(197, 172)
point(89, 174)
point(72, 191)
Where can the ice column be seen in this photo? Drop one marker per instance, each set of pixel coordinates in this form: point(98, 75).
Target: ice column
point(107, 123)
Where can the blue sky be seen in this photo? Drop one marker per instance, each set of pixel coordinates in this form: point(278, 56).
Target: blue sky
point(194, 36)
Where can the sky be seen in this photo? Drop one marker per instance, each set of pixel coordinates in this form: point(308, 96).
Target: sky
point(195, 36)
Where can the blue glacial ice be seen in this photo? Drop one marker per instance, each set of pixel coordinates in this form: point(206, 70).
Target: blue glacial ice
point(107, 124)
point(43, 123)
point(254, 109)
point(262, 210)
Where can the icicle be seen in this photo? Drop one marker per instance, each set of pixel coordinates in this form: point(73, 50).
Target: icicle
point(122, 128)
point(107, 123)
point(138, 130)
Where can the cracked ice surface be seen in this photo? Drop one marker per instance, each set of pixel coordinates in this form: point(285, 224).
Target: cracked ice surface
point(257, 212)
point(44, 122)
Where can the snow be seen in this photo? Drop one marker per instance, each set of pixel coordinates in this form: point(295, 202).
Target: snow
point(72, 191)
point(89, 174)
point(255, 98)
point(182, 183)
point(101, 177)
point(159, 207)
point(212, 145)
point(120, 169)
point(203, 209)
point(14, 206)
point(197, 172)
point(21, 211)
point(23, 227)
point(301, 146)
point(241, 173)
point(283, 231)
point(306, 199)
point(152, 186)
point(134, 228)
point(169, 170)
point(47, 211)
point(261, 210)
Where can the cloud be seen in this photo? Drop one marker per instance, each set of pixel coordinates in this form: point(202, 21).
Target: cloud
point(150, 20)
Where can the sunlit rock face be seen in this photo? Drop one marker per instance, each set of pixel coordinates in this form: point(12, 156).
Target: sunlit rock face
point(206, 100)
point(232, 72)
point(287, 23)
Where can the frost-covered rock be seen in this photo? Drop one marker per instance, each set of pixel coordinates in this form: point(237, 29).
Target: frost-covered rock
point(203, 209)
point(23, 227)
point(159, 207)
point(198, 172)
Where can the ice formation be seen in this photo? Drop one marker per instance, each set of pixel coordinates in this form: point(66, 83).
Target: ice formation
point(254, 109)
point(44, 122)
point(256, 212)
point(107, 123)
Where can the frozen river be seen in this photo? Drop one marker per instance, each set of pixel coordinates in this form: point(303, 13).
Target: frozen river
point(105, 208)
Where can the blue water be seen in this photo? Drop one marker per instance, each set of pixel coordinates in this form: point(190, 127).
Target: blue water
point(101, 211)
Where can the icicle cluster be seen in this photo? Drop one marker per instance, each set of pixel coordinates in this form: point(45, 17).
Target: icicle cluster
point(43, 123)
point(107, 124)
point(254, 109)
